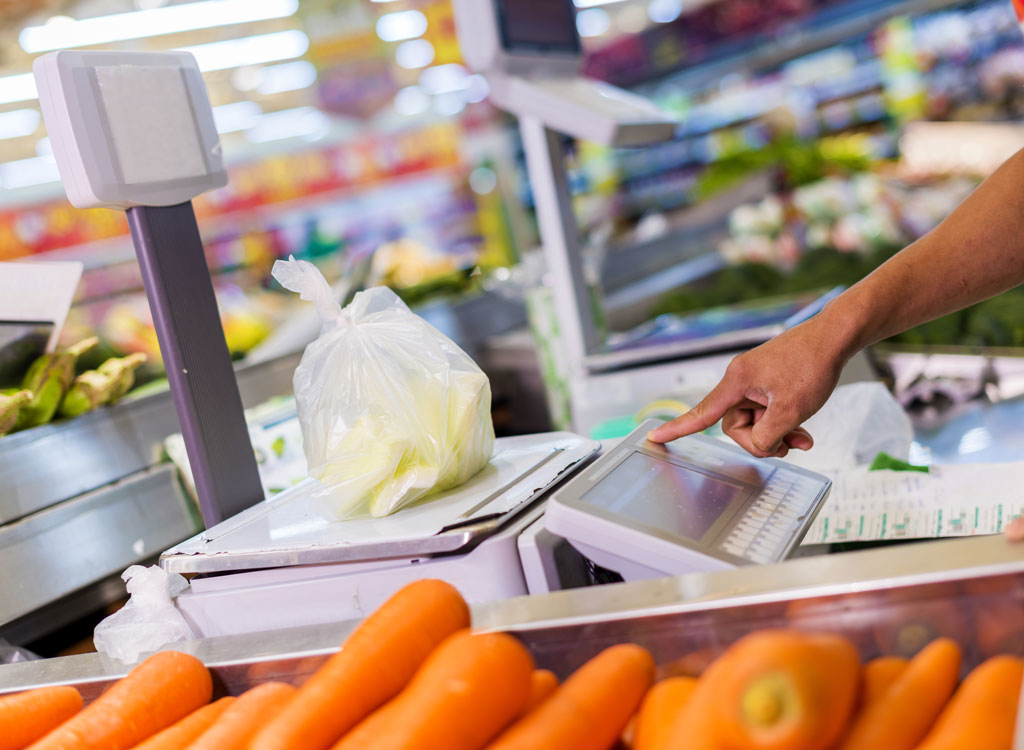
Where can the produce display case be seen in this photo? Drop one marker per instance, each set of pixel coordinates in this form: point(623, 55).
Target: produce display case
point(888, 600)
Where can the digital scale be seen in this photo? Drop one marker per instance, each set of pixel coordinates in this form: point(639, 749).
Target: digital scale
point(647, 510)
point(135, 131)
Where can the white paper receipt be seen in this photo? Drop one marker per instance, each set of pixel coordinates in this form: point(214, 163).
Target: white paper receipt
point(959, 500)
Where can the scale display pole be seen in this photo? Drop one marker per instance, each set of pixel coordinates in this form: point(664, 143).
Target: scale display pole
point(135, 131)
point(196, 358)
point(560, 239)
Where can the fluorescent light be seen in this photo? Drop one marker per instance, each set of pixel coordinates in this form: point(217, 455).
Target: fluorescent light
point(411, 100)
point(449, 103)
point(477, 88)
point(287, 77)
point(305, 122)
point(18, 123)
point(249, 50)
point(44, 147)
point(140, 24)
point(403, 24)
point(236, 116)
point(594, 3)
point(443, 79)
point(664, 11)
point(593, 22)
point(18, 88)
point(416, 53)
point(37, 170)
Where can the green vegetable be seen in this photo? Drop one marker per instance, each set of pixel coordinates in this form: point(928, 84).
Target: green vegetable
point(11, 405)
point(48, 378)
point(93, 388)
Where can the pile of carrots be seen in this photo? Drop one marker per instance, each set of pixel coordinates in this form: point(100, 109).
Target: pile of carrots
point(413, 676)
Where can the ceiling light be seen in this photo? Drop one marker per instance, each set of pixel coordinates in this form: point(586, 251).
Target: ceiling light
point(594, 3)
point(593, 22)
point(416, 53)
point(664, 11)
point(304, 122)
point(411, 100)
point(230, 118)
point(140, 24)
point(403, 24)
point(443, 79)
point(18, 123)
point(18, 88)
point(249, 50)
point(287, 77)
point(37, 170)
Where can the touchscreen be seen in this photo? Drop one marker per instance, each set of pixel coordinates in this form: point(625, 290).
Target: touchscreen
point(660, 494)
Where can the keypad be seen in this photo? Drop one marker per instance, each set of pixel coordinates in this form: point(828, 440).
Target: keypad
point(762, 533)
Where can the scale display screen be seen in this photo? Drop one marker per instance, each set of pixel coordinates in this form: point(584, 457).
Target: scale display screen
point(538, 25)
point(691, 501)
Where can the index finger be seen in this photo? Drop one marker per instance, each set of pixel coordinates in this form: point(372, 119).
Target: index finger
point(722, 398)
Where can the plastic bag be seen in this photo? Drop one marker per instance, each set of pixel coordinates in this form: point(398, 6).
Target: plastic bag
point(858, 422)
point(149, 620)
point(391, 409)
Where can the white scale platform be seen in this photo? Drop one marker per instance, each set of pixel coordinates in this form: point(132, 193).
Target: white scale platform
point(282, 563)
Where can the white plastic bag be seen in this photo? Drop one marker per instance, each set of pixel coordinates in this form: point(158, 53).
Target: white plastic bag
point(859, 421)
point(391, 409)
point(149, 620)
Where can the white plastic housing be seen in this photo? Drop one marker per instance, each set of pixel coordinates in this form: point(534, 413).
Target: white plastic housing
point(129, 128)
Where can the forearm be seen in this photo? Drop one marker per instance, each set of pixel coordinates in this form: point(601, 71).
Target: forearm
point(977, 252)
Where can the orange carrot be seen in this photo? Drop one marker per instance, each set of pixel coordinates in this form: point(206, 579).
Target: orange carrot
point(25, 717)
point(375, 663)
point(542, 684)
point(467, 691)
point(878, 675)
point(785, 690)
point(251, 710)
point(983, 711)
point(179, 735)
point(661, 706)
point(909, 707)
point(158, 692)
point(590, 709)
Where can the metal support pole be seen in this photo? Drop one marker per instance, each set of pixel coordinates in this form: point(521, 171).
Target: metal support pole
point(196, 357)
point(559, 233)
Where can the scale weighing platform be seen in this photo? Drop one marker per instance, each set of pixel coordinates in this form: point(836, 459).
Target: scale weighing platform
point(647, 510)
point(282, 562)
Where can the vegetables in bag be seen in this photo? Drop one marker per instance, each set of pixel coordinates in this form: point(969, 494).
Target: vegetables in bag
point(391, 409)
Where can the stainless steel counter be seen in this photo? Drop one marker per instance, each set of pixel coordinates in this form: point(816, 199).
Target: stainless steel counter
point(855, 592)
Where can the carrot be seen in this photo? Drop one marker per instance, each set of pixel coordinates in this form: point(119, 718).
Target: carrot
point(467, 691)
point(983, 711)
point(878, 675)
point(909, 707)
point(542, 684)
point(590, 709)
point(784, 690)
point(25, 717)
point(662, 704)
point(251, 710)
point(375, 663)
point(180, 734)
point(164, 688)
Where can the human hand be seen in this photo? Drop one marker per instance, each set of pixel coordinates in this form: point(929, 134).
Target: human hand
point(1015, 530)
point(768, 392)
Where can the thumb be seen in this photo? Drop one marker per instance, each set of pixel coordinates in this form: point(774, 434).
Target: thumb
point(722, 398)
point(768, 432)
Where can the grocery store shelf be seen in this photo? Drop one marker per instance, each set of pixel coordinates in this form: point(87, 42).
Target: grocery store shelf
point(57, 551)
point(825, 29)
point(58, 461)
